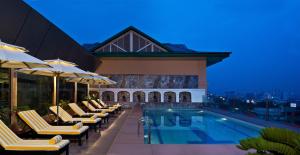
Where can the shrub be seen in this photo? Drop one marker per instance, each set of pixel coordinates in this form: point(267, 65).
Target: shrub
point(275, 141)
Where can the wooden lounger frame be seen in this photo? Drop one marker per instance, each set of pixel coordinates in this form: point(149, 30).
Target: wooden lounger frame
point(78, 137)
point(25, 152)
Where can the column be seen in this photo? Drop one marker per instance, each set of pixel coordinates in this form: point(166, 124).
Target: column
point(13, 95)
point(130, 96)
point(115, 96)
point(162, 94)
point(177, 97)
point(146, 97)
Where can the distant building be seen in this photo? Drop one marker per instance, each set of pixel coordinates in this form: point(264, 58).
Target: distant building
point(150, 71)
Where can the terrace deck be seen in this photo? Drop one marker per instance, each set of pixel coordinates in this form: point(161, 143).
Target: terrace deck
point(121, 138)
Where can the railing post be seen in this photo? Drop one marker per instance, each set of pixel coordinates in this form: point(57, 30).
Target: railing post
point(149, 134)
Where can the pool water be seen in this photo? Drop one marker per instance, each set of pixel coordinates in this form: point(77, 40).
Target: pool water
point(194, 126)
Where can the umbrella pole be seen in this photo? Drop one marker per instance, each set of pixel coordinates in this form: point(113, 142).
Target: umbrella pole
point(57, 99)
point(13, 96)
point(54, 91)
point(75, 92)
point(99, 91)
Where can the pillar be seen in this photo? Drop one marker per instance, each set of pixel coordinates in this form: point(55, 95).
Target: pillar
point(115, 96)
point(162, 96)
point(146, 97)
point(13, 96)
point(130, 96)
point(177, 97)
point(75, 92)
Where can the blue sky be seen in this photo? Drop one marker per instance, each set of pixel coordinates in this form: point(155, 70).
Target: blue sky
point(263, 35)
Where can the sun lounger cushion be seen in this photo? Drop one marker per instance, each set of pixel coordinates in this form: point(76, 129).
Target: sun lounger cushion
point(40, 126)
point(37, 145)
point(115, 105)
point(80, 112)
point(109, 109)
point(10, 141)
point(96, 104)
point(66, 117)
point(91, 108)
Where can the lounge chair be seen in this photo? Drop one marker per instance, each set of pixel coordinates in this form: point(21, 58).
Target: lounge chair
point(82, 113)
point(98, 106)
point(93, 121)
point(43, 129)
point(11, 144)
point(93, 109)
point(118, 105)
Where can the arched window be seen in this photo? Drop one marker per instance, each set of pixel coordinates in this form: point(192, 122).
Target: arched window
point(138, 96)
point(185, 97)
point(170, 97)
point(154, 97)
point(123, 96)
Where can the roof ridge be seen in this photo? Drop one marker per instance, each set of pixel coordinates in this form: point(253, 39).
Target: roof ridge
point(129, 28)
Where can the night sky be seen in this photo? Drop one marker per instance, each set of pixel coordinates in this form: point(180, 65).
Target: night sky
point(263, 35)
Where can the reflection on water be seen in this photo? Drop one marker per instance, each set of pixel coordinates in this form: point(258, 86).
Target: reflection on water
point(171, 118)
point(173, 124)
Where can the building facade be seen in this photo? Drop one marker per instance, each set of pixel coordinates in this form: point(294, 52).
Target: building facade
point(21, 25)
point(149, 71)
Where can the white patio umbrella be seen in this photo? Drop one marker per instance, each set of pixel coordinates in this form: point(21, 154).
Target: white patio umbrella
point(60, 68)
point(13, 57)
point(93, 79)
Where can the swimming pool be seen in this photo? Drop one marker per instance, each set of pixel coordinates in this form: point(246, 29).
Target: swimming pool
point(194, 126)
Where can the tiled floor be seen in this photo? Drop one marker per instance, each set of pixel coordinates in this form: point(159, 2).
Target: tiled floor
point(128, 142)
point(99, 144)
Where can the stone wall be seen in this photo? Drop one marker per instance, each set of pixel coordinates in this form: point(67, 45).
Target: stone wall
point(154, 81)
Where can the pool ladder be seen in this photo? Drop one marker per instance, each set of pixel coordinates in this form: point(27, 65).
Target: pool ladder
point(148, 122)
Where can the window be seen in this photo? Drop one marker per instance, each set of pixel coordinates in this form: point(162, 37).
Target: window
point(4, 96)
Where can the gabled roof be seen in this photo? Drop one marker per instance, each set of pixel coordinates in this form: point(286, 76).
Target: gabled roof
point(173, 50)
point(130, 28)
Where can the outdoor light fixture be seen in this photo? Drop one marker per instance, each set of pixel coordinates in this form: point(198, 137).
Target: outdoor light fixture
point(170, 110)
